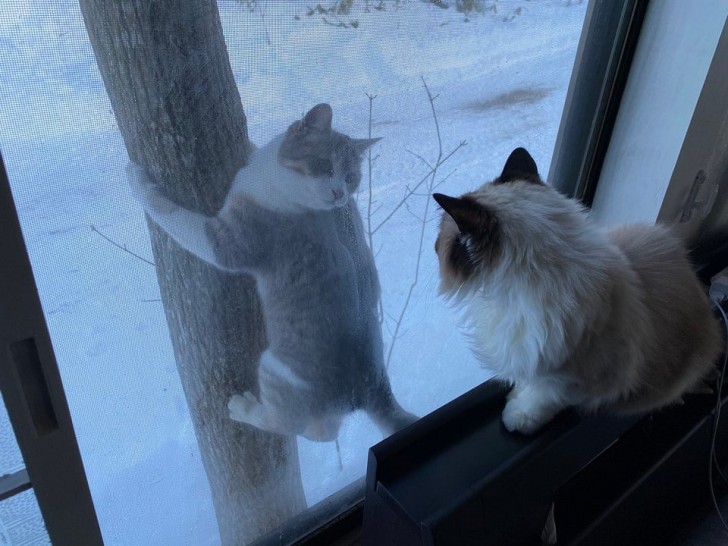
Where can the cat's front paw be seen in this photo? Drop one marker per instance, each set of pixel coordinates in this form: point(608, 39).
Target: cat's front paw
point(146, 190)
point(518, 417)
point(241, 407)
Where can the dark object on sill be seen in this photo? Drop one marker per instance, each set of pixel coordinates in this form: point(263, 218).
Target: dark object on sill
point(457, 477)
point(710, 254)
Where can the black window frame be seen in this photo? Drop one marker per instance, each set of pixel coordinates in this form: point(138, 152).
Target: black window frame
point(34, 397)
point(603, 61)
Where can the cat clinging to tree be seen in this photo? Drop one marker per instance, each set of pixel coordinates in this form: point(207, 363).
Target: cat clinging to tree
point(290, 221)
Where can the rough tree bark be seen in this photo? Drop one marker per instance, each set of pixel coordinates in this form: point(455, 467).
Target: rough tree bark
point(166, 70)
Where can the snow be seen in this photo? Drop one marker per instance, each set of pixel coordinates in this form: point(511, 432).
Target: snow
point(499, 84)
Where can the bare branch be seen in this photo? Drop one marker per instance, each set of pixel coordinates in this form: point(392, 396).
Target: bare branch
point(416, 186)
point(418, 156)
point(430, 181)
point(122, 247)
point(378, 251)
point(431, 177)
point(415, 216)
point(444, 178)
point(434, 116)
point(370, 162)
point(263, 22)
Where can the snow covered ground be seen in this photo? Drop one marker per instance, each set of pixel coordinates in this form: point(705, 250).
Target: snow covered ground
point(501, 79)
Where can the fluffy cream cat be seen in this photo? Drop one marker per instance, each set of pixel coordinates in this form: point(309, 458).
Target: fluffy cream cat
point(569, 313)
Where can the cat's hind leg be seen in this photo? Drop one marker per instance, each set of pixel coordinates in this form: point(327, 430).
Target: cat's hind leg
point(287, 404)
point(395, 419)
point(247, 409)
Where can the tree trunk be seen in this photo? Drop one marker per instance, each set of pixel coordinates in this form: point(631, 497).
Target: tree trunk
point(166, 70)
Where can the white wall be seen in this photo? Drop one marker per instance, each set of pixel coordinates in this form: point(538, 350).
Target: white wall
point(670, 64)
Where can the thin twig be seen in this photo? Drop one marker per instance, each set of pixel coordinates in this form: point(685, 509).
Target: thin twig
point(415, 188)
point(262, 20)
point(432, 177)
point(122, 247)
point(418, 156)
point(370, 162)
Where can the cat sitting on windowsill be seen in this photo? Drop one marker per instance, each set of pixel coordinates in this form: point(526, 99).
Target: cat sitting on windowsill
point(290, 221)
point(569, 313)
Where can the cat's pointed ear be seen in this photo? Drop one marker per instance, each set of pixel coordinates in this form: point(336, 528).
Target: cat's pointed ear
point(469, 216)
point(319, 117)
point(361, 144)
point(520, 166)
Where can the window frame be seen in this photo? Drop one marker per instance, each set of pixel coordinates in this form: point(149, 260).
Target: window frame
point(603, 61)
point(33, 392)
point(707, 165)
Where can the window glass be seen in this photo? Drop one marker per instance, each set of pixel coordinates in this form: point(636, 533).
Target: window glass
point(463, 81)
point(11, 459)
point(21, 521)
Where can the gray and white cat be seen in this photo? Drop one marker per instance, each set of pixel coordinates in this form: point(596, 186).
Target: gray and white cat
point(290, 221)
point(569, 313)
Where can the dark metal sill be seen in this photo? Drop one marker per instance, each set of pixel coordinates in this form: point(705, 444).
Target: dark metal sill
point(458, 477)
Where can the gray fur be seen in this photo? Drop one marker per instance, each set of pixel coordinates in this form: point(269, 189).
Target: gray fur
point(297, 230)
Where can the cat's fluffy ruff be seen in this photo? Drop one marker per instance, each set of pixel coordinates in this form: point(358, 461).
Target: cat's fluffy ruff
point(569, 313)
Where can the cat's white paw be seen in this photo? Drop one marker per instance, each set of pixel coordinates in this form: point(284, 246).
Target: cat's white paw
point(241, 407)
point(518, 417)
point(147, 191)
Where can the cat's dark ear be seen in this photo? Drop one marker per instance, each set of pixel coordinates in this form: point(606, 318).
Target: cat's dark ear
point(469, 216)
point(520, 166)
point(318, 118)
point(361, 144)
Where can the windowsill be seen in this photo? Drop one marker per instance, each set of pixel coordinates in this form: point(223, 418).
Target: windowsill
point(459, 471)
point(429, 466)
point(458, 466)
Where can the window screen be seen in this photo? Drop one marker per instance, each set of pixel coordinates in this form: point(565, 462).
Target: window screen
point(450, 88)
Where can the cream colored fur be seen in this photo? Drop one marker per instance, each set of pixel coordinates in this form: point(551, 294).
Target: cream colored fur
point(572, 314)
